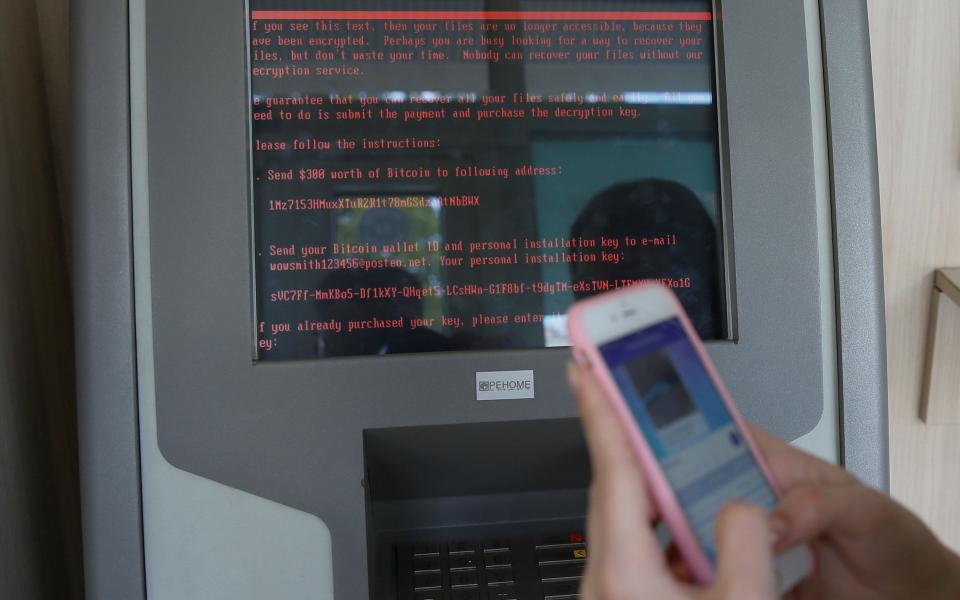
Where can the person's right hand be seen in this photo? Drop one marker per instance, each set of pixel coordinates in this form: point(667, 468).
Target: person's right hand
point(866, 545)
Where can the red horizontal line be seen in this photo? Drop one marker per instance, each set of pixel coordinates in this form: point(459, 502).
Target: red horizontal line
point(481, 15)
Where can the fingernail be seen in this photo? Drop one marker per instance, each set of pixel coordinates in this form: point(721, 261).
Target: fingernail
point(573, 375)
point(778, 528)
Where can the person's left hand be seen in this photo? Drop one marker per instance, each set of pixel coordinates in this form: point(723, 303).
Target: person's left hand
point(624, 560)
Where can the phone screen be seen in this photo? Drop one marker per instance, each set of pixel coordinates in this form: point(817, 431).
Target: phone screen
point(687, 425)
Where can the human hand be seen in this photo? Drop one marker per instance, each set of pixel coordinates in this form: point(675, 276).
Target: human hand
point(624, 560)
point(866, 545)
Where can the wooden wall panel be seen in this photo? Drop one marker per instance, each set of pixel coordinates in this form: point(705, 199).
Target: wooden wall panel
point(916, 72)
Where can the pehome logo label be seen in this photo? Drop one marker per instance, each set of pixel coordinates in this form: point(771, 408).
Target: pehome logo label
point(512, 385)
point(504, 385)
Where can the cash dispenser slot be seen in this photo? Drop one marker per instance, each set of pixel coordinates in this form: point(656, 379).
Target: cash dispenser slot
point(491, 511)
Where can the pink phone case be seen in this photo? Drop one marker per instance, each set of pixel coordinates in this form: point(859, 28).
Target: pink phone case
point(660, 489)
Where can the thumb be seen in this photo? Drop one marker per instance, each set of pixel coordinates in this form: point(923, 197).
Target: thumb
point(745, 556)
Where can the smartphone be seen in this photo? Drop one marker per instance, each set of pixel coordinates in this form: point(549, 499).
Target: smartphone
point(694, 447)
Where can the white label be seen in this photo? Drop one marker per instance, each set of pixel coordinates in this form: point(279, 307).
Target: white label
point(504, 385)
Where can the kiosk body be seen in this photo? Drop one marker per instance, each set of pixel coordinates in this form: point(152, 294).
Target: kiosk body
point(168, 330)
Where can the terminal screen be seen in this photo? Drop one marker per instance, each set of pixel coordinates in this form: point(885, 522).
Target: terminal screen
point(451, 175)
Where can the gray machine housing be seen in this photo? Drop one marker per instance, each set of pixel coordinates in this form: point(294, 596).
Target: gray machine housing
point(296, 432)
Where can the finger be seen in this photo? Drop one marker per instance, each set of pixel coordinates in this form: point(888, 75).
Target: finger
point(620, 511)
point(808, 511)
point(744, 554)
point(791, 466)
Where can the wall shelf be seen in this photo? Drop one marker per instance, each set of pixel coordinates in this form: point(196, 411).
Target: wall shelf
point(940, 399)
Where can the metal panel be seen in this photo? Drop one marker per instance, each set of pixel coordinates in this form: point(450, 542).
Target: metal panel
point(106, 361)
point(106, 380)
point(853, 146)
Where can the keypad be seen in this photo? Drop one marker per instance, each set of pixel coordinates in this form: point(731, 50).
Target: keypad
point(503, 592)
point(561, 560)
point(463, 561)
point(426, 564)
point(499, 576)
point(426, 549)
point(426, 581)
point(500, 545)
point(554, 590)
point(532, 567)
point(465, 594)
point(461, 547)
point(497, 559)
point(561, 571)
point(464, 579)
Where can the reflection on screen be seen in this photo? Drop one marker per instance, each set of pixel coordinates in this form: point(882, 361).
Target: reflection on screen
point(453, 175)
point(683, 418)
